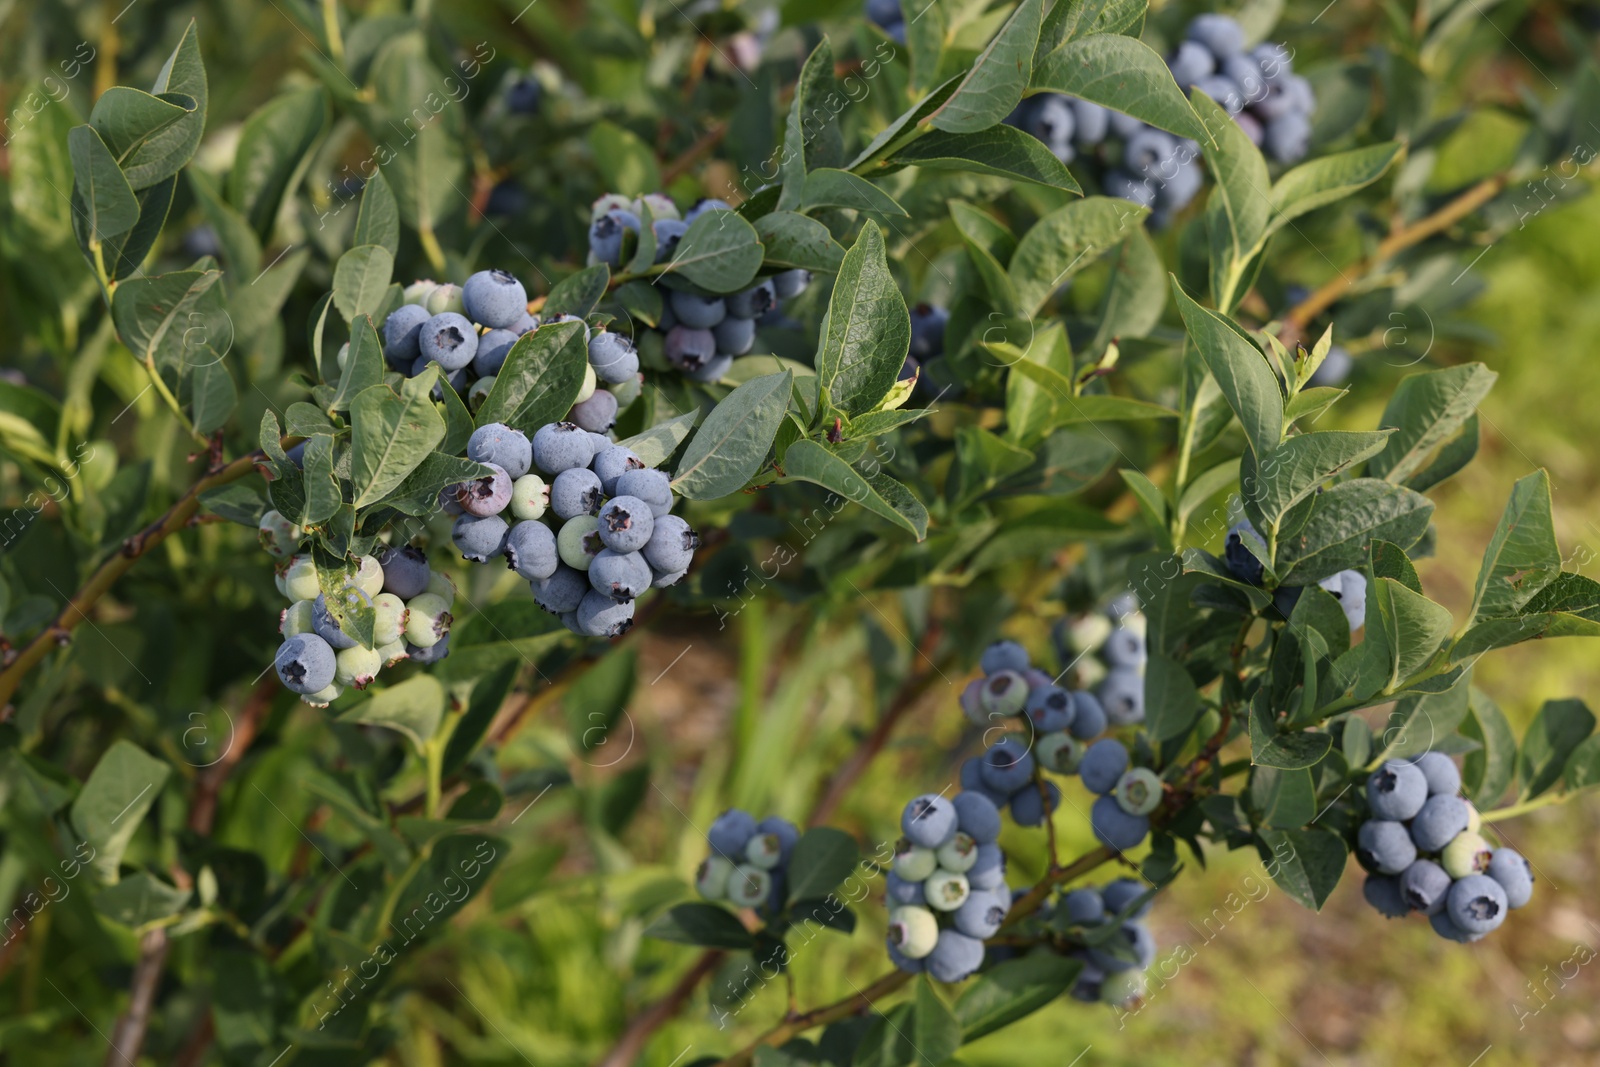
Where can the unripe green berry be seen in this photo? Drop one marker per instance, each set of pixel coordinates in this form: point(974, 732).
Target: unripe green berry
point(711, 880)
point(300, 580)
point(392, 614)
point(586, 390)
point(1059, 752)
point(764, 851)
point(1139, 791)
point(444, 298)
point(913, 862)
point(579, 542)
point(296, 618)
point(1123, 989)
point(356, 666)
point(429, 620)
point(530, 496)
point(278, 535)
point(369, 576)
point(946, 890)
point(393, 652)
point(1467, 853)
point(913, 930)
point(958, 854)
point(749, 886)
point(323, 697)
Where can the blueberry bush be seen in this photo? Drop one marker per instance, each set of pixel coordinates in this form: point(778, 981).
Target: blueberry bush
point(1020, 371)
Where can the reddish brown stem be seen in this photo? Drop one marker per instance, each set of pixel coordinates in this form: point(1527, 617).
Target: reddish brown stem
point(128, 1036)
point(647, 1022)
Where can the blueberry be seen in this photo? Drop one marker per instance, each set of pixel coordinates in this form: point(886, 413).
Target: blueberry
point(1396, 790)
point(522, 96)
point(885, 12)
point(391, 615)
point(605, 235)
point(1122, 696)
point(1125, 989)
point(1334, 369)
point(1007, 766)
point(493, 348)
point(494, 298)
point(530, 496)
point(428, 620)
point(1084, 907)
point(1423, 886)
point(1219, 33)
point(1119, 894)
point(562, 591)
point(1439, 771)
point(1037, 679)
point(913, 862)
point(705, 204)
point(576, 492)
point(1224, 90)
point(530, 550)
point(730, 832)
point(1029, 808)
point(1137, 940)
point(1050, 709)
point(1383, 893)
point(734, 337)
point(1003, 656)
point(324, 624)
point(431, 654)
point(971, 701)
point(1124, 647)
point(1467, 854)
point(955, 956)
point(1288, 138)
point(748, 886)
point(901, 891)
point(1114, 827)
point(489, 495)
point(913, 930)
point(1298, 95)
point(356, 667)
point(1446, 928)
point(903, 962)
point(1245, 564)
point(1123, 125)
point(596, 414)
point(785, 831)
point(622, 576)
point(1191, 62)
point(928, 323)
point(1088, 985)
point(989, 871)
point(579, 542)
point(982, 915)
point(946, 890)
point(297, 455)
point(1090, 123)
point(447, 500)
point(651, 486)
point(1004, 693)
point(305, 663)
point(1138, 791)
point(668, 233)
point(1245, 72)
point(613, 357)
point(697, 311)
point(689, 349)
point(562, 446)
point(277, 535)
point(712, 876)
point(791, 283)
point(1088, 716)
point(671, 546)
point(611, 464)
point(1477, 904)
point(1515, 876)
point(957, 854)
point(1384, 846)
point(714, 370)
point(626, 524)
point(1274, 62)
point(479, 539)
point(753, 302)
point(1126, 186)
point(929, 820)
point(401, 330)
point(296, 619)
point(1103, 764)
point(1146, 150)
point(1442, 817)
point(1179, 181)
point(449, 340)
point(1058, 752)
point(405, 571)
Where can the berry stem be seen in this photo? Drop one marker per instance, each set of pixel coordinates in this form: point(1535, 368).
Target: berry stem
point(1514, 810)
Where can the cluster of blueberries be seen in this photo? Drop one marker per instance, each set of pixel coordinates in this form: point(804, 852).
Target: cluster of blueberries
point(318, 659)
point(1114, 976)
point(704, 332)
point(1107, 653)
point(1151, 167)
point(1425, 854)
point(617, 536)
point(1349, 587)
point(947, 885)
point(469, 330)
point(749, 860)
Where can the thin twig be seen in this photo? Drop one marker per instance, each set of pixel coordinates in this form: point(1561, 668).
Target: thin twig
point(647, 1022)
point(128, 1036)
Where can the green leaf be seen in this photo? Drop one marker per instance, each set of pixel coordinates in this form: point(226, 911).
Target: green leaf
point(113, 802)
point(705, 925)
point(1390, 561)
point(182, 81)
point(361, 280)
point(103, 201)
point(828, 187)
point(1286, 800)
point(418, 495)
point(868, 329)
point(1558, 728)
point(732, 443)
point(392, 433)
point(321, 485)
point(1003, 151)
point(1306, 864)
point(1413, 628)
point(1488, 771)
point(809, 461)
point(241, 250)
point(795, 242)
point(488, 694)
point(128, 120)
point(237, 502)
point(998, 77)
point(364, 366)
point(807, 142)
point(272, 144)
point(822, 858)
point(212, 396)
point(1343, 521)
point(1328, 179)
point(124, 253)
point(1172, 702)
point(654, 445)
point(626, 164)
point(1136, 295)
point(1075, 18)
point(1240, 204)
point(873, 156)
point(457, 864)
point(720, 252)
point(1298, 466)
point(139, 899)
point(1241, 372)
point(1013, 990)
point(1123, 74)
point(1420, 722)
point(983, 236)
point(1424, 411)
point(1522, 557)
point(578, 294)
point(414, 708)
point(983, 462)
point(1583, 766)
point(935, 1032)
point(1037, 384)
point(162, 317)
point(1066, 241)
point(541, 377)
point(378, 220)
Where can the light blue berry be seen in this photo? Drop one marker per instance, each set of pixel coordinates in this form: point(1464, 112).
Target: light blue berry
point(306, 663)
point(626, 525)
point(622, 576)
point(530, 550)
point(651, 486)
point(576, 492)
point(612, 463)
point(562, 446)
point(494, 298)
point(400, 335)
point(479, 539)
point(499, 444)
point(562, 592)
point(601, 616)
point(449, 340)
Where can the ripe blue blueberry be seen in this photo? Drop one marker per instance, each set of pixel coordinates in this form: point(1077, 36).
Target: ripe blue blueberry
point(671, 546)
point(977, 816)
point(1089, 983)
point(734, 337)
point(1440, 773)
point(622, 576)
point(522, 95)
point(1088, 716)
point(1446, 928)
point(306, 663)
point(1122, 696)
point(1396, 790)
point(989, 871)
point(1030, 808)
point(1442, 817)
point(327, 627)
point(1424, 885)
point(1103, 764)
point(576, 492)
point(651, 486)
point(601, 616)
point(530, 550)
point(1084, 906)
point(668, 233)
point(1146, 150)
point(596, 414)
point(1191, 62)
point(1090, 123)
point(1382, 891)
point(928, 820)
point(705, 204)
point(1114, 827)
point(1128, 186)
point(1138, 951)
point(689, 349)
point(493, 348)
point(955, 956)
point(1219, 33)
point(626, 524)
point(1052, 120)
point(1477, 904)
point(612, 463)
point(562, 446)
point(613, 357)
point(697, 311)
point(1120, 894)
point(730, 832)
point(901, 891)
point(1384, 846)
point(714, 370)
point(489, 495)
point(449, 340)
point(1275, 61)
point(983, 913)
point(1004, 693)
point(1245, 72)
point(1003, 656)
point(753, 302)
point(1050, 709)
point(791, 283)
point(1288, 138)
point(1124, 647)
point(1007, 766)
point(479, 539)
point(1245, 565)
point(562, 592)
point(903, 962)
point(928, 322)
point(605, 235)
point(405, 571)
point(401, 330)
point(494, 298)
point(1515, 876)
